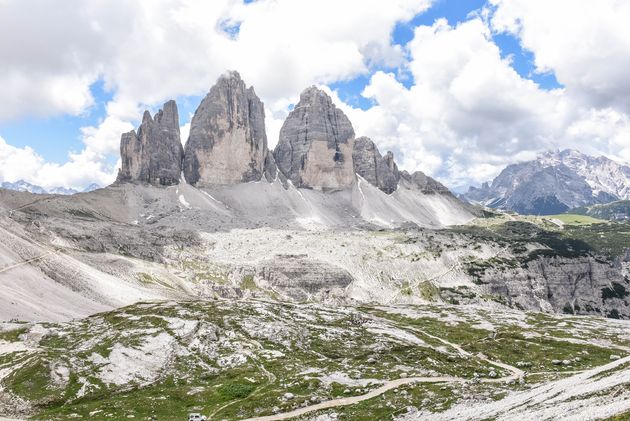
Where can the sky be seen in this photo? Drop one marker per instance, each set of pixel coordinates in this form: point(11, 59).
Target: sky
point(457, 89)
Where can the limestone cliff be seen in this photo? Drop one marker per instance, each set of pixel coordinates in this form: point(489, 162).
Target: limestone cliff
point(315, 145)
point(227, 142)
point(380, 171)
point(154, 153)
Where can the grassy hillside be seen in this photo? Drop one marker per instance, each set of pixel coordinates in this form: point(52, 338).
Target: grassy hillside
point(237, 359)
point(618, 211)
point(576, 219)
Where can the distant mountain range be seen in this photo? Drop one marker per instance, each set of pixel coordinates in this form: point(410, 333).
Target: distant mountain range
point(22, 185)
point(555, 182)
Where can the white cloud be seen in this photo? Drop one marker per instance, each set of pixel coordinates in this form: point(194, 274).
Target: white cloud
point(585, 43)
point(151, 51)
point(604, 131)
point(81, 170)
point(467, 114)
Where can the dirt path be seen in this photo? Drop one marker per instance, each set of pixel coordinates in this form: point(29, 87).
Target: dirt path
point(392, 384)
point(516, 372)
point(538, 394)
point(355, 399)
point(546, 401)
point(24, 262)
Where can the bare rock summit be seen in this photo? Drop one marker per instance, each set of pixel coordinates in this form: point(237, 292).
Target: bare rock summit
point(380, 171)
point(154, 153)
point(315, 145)
point(425, 184)
point(227, 143)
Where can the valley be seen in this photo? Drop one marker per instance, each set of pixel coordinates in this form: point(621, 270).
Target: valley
point(315, 281)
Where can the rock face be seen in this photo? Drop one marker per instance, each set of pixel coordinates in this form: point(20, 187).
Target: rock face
point(316, 143)
point(424, 183)
point(555, 182)
point(303, 278)
point(580, 285)
point(227, 142)
point(377, 170)
point(154, 154)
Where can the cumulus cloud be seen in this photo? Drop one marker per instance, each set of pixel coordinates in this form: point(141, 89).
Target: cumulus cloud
point(585, 44)
point(81, 169)
point(466, 115)
point(469, 113)
point(149, 51)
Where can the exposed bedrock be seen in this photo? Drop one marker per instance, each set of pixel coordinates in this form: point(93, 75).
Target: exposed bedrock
point(380, 171)
point(302, 278)
point(315, 145)
point(584, 285)
point(154, 153)
point(227, 142)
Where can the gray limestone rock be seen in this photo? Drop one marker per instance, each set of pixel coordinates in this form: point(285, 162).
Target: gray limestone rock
point(227, 142)
point(154, 154)
point(424, 183)
point(380, 171)
point(315, 145)
point(303, 278)
point(576, 285)
point(555, 182)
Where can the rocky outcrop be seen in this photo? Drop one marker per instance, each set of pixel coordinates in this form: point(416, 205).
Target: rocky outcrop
point(154, 154)
point(578, 285)
point(227, 142)
point(422, 182)
point(303, 278)
point(380, 171)
point(315, 145)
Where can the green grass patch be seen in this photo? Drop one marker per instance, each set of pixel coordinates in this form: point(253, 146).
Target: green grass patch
point(247, 283)
point(12, 335)
point(575, 219)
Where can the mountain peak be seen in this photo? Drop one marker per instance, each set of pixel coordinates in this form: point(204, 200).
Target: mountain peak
point(315, 144)
point(25, 186)
point(228, 142)
point(554, 182)
point(230, 75)
point(153, 153)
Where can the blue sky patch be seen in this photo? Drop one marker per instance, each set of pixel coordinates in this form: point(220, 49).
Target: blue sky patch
point(54, 137)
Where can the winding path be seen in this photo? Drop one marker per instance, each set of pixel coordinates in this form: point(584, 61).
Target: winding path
point(24, 262)
point(355, 399)
point(393, 384)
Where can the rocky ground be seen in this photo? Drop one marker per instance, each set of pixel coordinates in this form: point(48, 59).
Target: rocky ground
point(100, 255)
point(188, 300)
point(253, 359)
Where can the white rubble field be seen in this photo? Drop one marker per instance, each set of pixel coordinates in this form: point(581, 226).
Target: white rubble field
point(379, 262)
point(584, 396)
point(142, 365)
point(40, 279)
